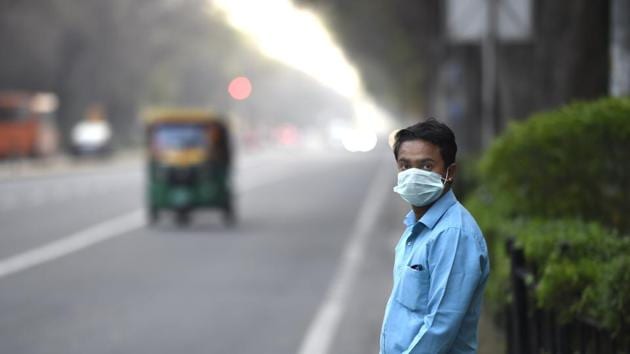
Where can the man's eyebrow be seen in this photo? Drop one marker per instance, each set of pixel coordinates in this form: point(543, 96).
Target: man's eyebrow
point(428, 159)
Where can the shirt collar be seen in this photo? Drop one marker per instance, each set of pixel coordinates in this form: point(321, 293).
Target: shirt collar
point(410, 218)
point(435, 212)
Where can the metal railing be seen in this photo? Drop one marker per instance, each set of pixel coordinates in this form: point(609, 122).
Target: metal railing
point(531, 330)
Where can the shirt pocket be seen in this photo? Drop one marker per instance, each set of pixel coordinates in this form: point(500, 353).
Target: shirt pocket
point(413, 288)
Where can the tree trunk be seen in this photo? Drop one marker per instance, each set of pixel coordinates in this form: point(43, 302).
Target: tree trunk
point(620, 48)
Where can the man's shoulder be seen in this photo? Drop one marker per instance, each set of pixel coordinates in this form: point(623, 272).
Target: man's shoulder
point(457, 219)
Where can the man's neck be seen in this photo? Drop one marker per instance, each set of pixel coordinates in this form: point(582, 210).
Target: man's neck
point(419, 211)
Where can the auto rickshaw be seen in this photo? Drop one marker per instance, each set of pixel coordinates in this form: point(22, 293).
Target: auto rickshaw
point(188, 164)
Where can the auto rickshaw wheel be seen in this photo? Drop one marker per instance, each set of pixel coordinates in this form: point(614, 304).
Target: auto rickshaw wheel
point(153, 215)
point(182, 217)
point(229, 217)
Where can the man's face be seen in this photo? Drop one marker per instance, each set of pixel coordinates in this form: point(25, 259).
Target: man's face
point(422, 155)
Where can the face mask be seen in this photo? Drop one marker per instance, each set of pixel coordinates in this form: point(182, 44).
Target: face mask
point(419, 187)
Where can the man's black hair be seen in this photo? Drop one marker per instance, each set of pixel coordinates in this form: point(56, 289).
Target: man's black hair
point(433, 131)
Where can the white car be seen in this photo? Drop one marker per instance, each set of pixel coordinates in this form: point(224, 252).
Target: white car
point(91, 137)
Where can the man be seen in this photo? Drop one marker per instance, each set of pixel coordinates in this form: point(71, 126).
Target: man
point(441, 261)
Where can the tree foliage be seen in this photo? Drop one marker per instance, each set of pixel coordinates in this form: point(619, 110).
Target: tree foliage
point(569, 162)
point(99, 51)
point(126, 54)
point(408, 60)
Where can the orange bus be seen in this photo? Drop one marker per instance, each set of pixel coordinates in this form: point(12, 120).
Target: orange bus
point(27, 124)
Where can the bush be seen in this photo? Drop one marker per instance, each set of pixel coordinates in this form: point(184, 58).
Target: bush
point(577, 264)
point(559, 183)
point(569, 162)
point(607, 302)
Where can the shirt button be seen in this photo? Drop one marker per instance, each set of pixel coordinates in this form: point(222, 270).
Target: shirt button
point(409, 243)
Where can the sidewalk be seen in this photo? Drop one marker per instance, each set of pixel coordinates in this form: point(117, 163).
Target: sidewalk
point(491, 338)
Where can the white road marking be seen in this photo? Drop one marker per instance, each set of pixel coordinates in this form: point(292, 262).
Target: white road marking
point(99, 233)
point(324, 326)
point(73, 243)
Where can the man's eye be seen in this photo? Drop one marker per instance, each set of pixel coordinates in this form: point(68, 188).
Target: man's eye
point(427, 167)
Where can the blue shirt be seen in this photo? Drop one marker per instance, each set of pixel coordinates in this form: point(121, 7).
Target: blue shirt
point(440, 270)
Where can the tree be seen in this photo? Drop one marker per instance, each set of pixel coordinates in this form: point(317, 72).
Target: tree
point(404, 40)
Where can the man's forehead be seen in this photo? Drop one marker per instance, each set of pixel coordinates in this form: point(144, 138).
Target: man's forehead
point(419, 149)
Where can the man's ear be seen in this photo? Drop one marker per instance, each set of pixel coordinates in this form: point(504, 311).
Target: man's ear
point(452, 172)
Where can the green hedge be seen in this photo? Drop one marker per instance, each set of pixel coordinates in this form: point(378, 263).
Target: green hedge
point(577, 266)
point(559, 183)
point(570, 162)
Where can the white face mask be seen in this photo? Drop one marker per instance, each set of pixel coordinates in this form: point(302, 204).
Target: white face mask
point(419, 187)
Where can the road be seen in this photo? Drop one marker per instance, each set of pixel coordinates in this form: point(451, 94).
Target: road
point(306, 270)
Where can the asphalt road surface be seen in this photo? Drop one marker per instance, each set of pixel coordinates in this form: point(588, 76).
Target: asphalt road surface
point(306, 270)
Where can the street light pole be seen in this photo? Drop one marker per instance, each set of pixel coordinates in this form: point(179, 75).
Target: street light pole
point(620, 48)
point(489, 74)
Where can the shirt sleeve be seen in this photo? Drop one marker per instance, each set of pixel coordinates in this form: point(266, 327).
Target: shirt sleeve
point(455, 274)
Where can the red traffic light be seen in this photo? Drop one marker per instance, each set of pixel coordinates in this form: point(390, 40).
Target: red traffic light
point(240, 88)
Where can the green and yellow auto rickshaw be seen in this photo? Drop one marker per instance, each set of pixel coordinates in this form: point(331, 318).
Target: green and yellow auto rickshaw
point(189, 162)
